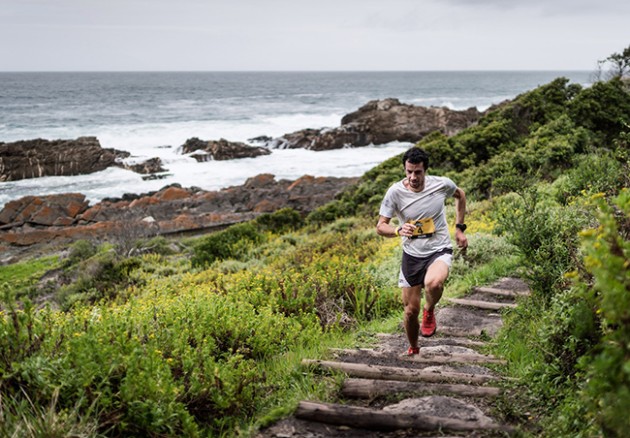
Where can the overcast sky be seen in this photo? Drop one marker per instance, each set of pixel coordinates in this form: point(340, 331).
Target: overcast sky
point(310, 34)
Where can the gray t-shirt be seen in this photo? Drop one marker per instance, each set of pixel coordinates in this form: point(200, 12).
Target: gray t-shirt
point(426, 205)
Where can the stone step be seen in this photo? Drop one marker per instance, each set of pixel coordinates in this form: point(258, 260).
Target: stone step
point(501, 292)
point(481, 304)
point(425, 356)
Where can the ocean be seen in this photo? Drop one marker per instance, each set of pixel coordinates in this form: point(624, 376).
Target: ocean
point(151, 114)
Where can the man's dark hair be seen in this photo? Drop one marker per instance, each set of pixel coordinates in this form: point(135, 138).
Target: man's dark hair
point(416, 156)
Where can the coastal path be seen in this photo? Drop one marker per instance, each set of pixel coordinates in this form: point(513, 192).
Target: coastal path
point(452, 388)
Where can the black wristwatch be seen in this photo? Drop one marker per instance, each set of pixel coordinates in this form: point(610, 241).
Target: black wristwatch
point(461, 227)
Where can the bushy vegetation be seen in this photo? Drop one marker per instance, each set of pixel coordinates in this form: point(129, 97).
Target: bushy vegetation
point(193, 353)
point(237, 241)
point(195, 337)
point(567, 345)
point(605, 279)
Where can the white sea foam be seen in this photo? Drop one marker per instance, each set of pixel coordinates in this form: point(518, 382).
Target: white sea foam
point(148, 140)
point(211, 175)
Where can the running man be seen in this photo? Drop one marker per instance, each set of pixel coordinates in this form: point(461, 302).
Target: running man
point(418, 201)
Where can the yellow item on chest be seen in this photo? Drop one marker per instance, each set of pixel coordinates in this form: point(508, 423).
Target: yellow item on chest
point(425, 228)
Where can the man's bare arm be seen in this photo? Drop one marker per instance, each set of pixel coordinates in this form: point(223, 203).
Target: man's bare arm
point(460, 206)
point(460, 216)
point(384, 228)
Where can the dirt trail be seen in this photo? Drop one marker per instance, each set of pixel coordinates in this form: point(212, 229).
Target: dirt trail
point(450, 389)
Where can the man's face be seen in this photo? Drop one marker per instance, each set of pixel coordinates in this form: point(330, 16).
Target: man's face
point(415, 175)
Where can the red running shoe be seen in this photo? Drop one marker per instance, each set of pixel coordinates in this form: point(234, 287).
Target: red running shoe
point(428, 326)
point(412, 351)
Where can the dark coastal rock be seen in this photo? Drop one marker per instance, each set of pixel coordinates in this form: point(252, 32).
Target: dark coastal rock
point(220, 150)
point(40, 157)
point(262, 139)
point(150, 169)
point(172, 209)
point(379, 122)
point(389, 120)
point(150, 166)
point(155, 176)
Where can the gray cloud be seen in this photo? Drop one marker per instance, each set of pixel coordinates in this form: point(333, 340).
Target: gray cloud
point(306, 35)
point(550, 7)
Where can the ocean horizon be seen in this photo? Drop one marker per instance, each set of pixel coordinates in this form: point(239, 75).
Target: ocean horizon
point(151, 114)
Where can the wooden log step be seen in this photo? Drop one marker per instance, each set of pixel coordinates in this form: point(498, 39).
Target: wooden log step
point(502, 292)
point(368, 388)
point(374, 419)
point(442, 358)
point(481, 304)
point(398, 373)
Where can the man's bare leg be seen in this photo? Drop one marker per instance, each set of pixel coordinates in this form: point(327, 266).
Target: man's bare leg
point(434, 286)
point(434, 283)
point(411, 301)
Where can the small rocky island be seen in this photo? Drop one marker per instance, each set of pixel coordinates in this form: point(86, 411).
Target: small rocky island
point(40, 157)
point(379, 122)
point(221, 150)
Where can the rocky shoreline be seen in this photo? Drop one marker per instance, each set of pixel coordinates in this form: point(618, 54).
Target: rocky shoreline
point(377, 122)
point(33, 221)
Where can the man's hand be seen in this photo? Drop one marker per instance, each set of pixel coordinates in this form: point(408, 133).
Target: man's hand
point(461, 239)
point(407, 230)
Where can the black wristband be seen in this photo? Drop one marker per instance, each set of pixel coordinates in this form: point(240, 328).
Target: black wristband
point(461, 227)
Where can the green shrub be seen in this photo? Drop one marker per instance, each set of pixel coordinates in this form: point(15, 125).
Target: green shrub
point(21, 335)
point(102, 276)
point(544, 233)
point(480, 143)
point(606, 390)
point(328, 275)
point(603, 108)
point(328, 213)
point(176, 360)
point(281, 221)
point(540, 106)
point(230, 243)
point(569, 330)
point(79, 251)
point(501, 130)
point(599, 172)
point(156, 245)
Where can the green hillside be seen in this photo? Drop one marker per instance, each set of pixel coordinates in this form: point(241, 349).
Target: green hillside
point(204, 336)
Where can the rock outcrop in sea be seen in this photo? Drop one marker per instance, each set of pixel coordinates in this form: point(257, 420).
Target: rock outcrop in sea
point(378, 122)
point(221, 149)
point(36, 158)
point(147, 167)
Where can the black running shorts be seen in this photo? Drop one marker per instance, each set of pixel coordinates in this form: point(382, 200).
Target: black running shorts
point(414, 269)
